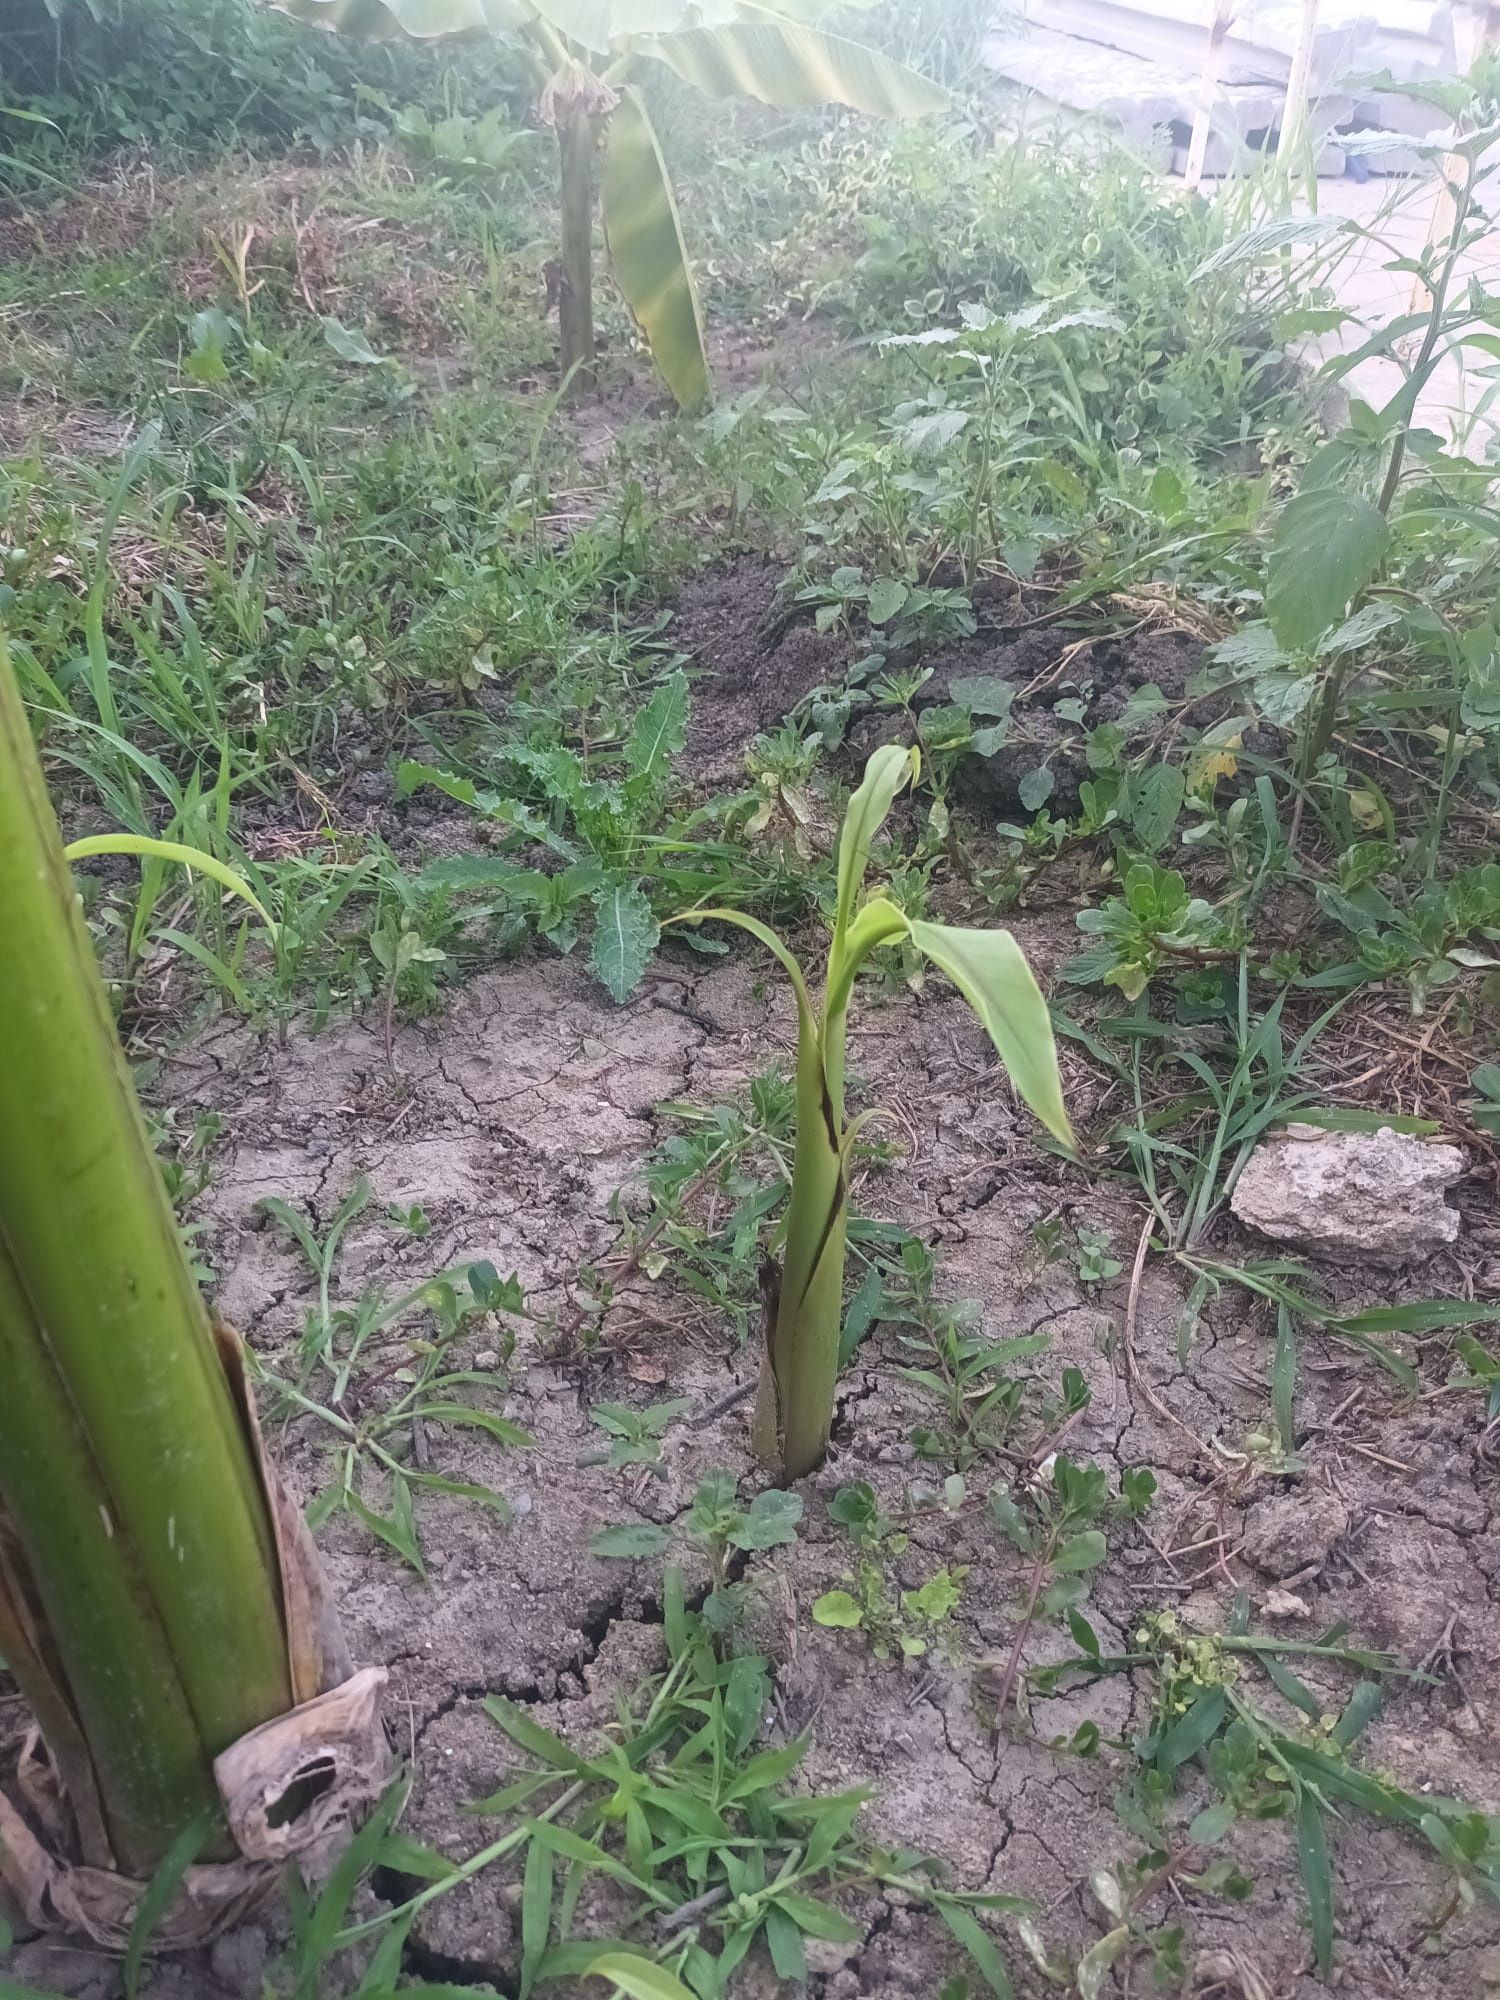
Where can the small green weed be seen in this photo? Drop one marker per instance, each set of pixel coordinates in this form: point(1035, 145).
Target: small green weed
point(635, 1435)
point(980, 1390)
point(1053, 1522)
point(1206, 1723)
point(680, 1810)
point(377, 1385)
point(898, 1624)
point(722, 1529)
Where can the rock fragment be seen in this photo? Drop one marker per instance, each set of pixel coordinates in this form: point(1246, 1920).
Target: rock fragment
point(1374, 1198)
point(1291, 1532)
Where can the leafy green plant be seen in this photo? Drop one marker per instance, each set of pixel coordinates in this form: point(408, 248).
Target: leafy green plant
point(978, 1389)
point(795, 1405)
point(635, 1435)
point(1427, 940)
point(714, 1190)
point(483, 145)
point(1095, 1264)
point(320, 1325)
point(1054, 1523)
point(378, 1404)
point(587, 57)
point(1047, 1236)
point(909, 1622)
point(1155, 922)
point(717, 1524)
point(1335, 537)
point(897, 1623)
point(615, 819)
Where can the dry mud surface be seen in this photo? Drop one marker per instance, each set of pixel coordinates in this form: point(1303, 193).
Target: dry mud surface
point(513, 1120)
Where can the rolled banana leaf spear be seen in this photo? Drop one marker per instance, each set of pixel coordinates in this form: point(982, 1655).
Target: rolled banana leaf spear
point(794, 1409)
point(590, 50)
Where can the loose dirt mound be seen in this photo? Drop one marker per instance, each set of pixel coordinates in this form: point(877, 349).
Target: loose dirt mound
point(758, 659)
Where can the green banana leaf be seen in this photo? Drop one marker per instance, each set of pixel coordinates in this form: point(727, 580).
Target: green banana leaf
point(409, 20)
point(596, 25)
point(605, 25)
point(990, 970)
point(649, 260)
point(782, 63)
point(725, 47)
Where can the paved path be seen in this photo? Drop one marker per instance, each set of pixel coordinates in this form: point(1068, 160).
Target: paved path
point(1401, 210)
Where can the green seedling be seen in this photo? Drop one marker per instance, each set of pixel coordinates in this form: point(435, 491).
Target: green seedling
point(716, 1188)
point(717, 1524)
point(1440, 933)
point(1047, 1235)
point(322, 1254)
point(906, 1623)
point(635, 1435)
point(186, 1173)
point(388, 1434)
point(1055, 1524)
point(794, 1410)
point(380, 1416)
point(978, 1389)
point(1095, 1264)
point(1154, 923)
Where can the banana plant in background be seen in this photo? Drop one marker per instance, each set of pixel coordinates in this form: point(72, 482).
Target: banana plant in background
point(152, 1588)
point(794, 1409)
point(587, 52)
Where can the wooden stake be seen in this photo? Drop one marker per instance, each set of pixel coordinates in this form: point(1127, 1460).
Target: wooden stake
point(1213, 57)
point(1294, 116)
point(1486, 27)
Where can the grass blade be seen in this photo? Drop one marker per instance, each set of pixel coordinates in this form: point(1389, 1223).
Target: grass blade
point(1191, 1732)
point(532, 1738)
point(536, 1912)
point(1364, 1705)
point(638, 1978)
point(1284, 1378)
point(1317, 1877)
point(980, 1946)
point(1286, 1683)
point(160, 1890)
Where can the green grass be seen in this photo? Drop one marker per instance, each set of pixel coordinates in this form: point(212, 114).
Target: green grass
point(360, 533)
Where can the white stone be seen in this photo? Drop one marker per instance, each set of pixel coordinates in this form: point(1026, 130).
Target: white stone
point(1374, 1198)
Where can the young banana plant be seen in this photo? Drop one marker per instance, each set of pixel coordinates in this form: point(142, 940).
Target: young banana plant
point(588, 51)
point(794, 1409)
point(155, 1602)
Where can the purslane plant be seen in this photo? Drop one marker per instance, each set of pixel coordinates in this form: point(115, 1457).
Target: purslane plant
point(794, 1409)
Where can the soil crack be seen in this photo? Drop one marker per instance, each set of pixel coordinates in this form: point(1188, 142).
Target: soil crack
point(437, 1968)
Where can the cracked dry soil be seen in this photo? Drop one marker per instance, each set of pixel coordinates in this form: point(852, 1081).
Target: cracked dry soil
point(514, 1120)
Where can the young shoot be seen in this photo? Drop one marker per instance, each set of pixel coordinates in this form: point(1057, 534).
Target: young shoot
point(794, 1409)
